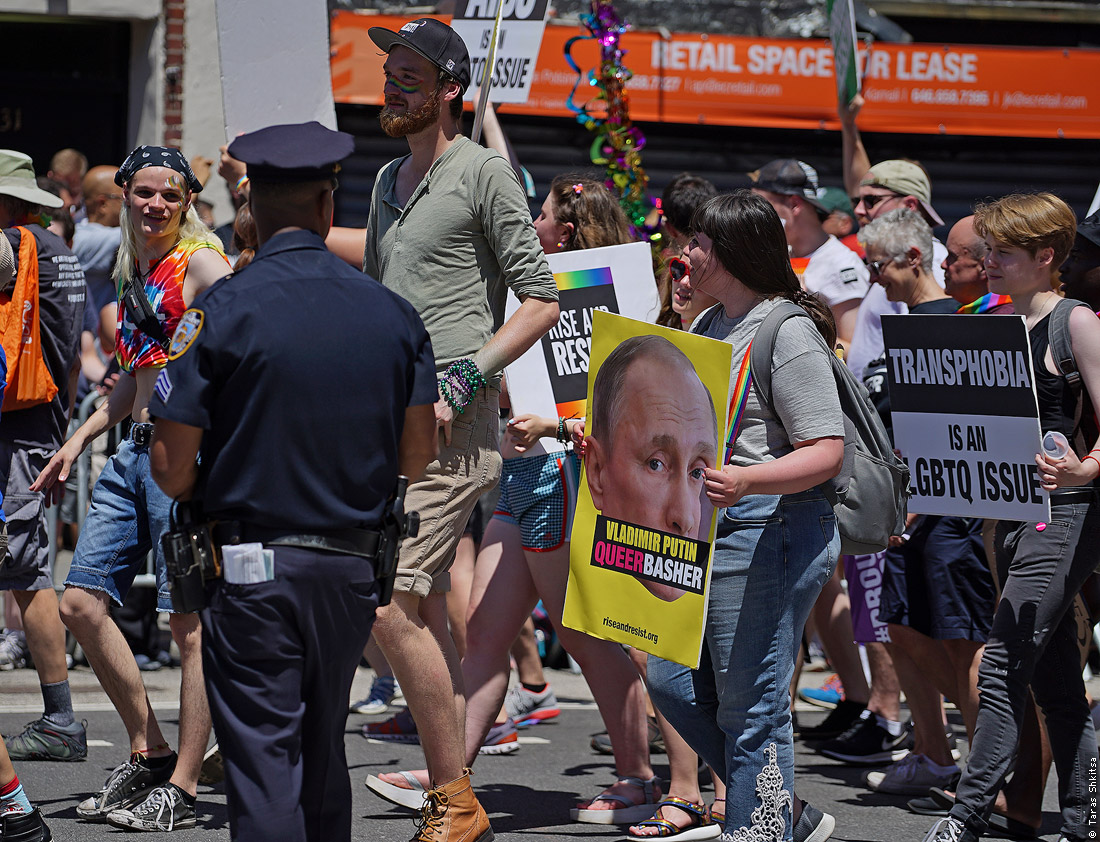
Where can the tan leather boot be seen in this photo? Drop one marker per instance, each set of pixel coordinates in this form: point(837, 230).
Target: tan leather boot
point(451, 813)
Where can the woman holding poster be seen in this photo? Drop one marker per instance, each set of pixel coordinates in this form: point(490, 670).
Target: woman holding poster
point(1042, 566)
point(777, 541)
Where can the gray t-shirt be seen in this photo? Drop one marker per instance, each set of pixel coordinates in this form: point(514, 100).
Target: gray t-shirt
point(803, 390)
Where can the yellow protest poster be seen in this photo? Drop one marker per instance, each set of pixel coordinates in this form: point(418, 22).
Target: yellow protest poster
point(643, 533)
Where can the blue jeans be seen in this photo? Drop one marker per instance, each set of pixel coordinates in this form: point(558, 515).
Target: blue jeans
point(772, 555)
point(128, 516)
point(1034, 642)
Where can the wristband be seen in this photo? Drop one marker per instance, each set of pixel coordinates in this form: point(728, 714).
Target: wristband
point(1094, 459)
point(241, 182)
point(563, 435)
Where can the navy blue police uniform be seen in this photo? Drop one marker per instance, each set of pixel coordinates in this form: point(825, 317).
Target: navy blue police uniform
point(299, 373)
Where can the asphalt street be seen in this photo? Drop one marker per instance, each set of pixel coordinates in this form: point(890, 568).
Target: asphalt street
point(528, 795)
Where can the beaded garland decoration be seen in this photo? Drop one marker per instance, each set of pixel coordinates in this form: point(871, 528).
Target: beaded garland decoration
point(618, 143)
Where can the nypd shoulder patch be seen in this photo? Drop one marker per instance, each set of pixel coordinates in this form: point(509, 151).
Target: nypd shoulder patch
point(187, 331)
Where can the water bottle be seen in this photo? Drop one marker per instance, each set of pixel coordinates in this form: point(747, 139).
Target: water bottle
point(1055, 445)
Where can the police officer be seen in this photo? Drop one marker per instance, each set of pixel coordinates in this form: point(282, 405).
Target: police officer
point(308, 392)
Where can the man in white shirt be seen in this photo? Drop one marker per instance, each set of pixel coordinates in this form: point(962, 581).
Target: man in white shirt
point(825, 266)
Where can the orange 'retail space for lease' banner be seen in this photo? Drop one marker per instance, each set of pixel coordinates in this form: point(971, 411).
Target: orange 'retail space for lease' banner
point(785, 83)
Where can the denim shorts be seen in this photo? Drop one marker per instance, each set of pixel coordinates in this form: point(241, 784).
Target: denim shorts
point(539, 494)
point(128, 516)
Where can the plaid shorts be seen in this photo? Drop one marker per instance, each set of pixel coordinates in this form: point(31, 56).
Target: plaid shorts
point(539, 494)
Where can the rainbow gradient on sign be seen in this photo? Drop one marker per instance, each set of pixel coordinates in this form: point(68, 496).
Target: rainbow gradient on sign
point(583, 278)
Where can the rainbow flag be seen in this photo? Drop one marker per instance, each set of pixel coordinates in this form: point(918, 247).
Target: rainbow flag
point(986, 303)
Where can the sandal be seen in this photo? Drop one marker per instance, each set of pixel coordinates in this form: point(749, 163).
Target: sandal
point(718, 816)
point(700, 827)
point(630, 812)
point(411, 796)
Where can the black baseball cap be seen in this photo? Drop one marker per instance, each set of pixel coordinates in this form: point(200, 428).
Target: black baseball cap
point(292, 152)
point(789, 177)
point(1089, 229)
point(434, 40)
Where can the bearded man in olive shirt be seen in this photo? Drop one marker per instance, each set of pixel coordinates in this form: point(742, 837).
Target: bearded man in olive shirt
point(449, 230)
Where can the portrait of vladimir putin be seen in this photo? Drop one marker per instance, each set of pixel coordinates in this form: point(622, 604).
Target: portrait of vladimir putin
point(654, 431)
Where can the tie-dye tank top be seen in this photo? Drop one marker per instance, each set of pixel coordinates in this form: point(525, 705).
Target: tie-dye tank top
point(164, 288)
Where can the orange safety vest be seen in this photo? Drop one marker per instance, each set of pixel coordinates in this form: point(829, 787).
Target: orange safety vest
point(29, 380)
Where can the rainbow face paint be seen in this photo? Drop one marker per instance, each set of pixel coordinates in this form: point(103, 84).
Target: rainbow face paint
point(408, 89)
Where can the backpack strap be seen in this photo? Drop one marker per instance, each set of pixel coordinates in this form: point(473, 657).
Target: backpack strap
point(705, 319)
point(1061, 347)
point(763, 344)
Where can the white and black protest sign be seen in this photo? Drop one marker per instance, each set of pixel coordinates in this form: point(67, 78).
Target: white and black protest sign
point(965, 415)
point(521, 28)
point(551, 378)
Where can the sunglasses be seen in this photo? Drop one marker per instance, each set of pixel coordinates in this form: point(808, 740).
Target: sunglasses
point(875, 267)
point(677, 269)
point(870, 201)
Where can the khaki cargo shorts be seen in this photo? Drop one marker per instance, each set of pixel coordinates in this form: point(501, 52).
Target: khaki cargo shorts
point(445, 496)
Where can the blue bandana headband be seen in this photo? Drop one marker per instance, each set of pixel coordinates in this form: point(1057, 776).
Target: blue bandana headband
point(157, 156)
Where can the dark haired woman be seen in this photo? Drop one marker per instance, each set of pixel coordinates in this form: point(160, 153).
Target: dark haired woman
point(777, 541)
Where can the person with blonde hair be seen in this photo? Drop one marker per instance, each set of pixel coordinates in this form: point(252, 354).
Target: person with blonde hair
point(166, 258)
point(1042, 566)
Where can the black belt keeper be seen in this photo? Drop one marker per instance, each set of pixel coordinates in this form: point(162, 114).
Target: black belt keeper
point(358, 542)
point(141, 434)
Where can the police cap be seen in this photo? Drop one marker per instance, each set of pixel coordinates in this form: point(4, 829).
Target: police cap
point(292, 152)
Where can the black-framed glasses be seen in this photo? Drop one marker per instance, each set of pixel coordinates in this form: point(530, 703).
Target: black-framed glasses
point(870, 201)
point(677, 269)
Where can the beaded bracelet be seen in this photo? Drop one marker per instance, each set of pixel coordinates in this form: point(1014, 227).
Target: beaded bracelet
point(563, 436)
point(460, 383)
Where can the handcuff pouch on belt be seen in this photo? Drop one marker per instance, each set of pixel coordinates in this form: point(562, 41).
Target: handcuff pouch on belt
point(191, 558)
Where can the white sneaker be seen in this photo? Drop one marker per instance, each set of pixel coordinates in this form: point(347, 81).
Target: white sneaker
point(914, 774)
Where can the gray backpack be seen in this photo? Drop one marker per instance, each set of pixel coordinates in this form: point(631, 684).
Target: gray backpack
point(871, 492)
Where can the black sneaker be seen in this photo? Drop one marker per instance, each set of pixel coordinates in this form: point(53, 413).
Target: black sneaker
point(165, 808)
point(43, 740)
point(839, 720)
point(813, 825)
point(126, 786)
point(17, 826)
point(867, 743)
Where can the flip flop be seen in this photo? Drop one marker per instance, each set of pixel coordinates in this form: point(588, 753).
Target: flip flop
point(700, 827)
point(999, 825)
point(630, 812)
point(411, 797)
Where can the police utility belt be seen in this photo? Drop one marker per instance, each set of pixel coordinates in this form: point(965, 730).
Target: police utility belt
point(198, 551)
